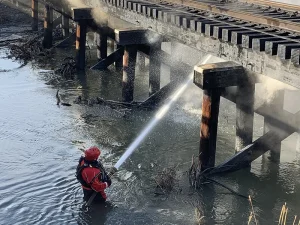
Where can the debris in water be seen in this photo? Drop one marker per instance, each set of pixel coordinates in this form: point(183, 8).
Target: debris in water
point(29, 50)
point(67, 69)
point(166, 179)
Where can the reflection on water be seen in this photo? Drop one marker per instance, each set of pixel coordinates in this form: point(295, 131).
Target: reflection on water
point(39, 145)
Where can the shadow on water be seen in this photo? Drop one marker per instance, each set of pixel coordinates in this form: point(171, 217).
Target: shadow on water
point(95, 214)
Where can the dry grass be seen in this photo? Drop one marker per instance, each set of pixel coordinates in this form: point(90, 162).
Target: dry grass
point(282, 218)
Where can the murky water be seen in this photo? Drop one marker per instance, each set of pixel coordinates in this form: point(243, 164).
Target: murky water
point(40, 147)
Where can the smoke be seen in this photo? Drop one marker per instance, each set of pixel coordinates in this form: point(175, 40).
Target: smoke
point(76, 3)
point(268, 90)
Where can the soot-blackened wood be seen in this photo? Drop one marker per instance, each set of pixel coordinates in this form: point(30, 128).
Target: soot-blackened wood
point(80, 44)
point(270, 124)
point(104, 63)
point(129, 61)
point(48, 27)
point(119, 62)
point(252, 151)
point(209, 127)
point(141, 61)
point(101, 43)
point(219, 75)
point(244, 115)
point(161, 95)
point(154, 69)
point(34, 15)
point(65, 25)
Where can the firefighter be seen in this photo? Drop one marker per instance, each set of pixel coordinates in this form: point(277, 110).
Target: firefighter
point(92, 176)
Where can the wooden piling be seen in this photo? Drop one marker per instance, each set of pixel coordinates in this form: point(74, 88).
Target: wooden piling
point(34, 15)
point(270, 124)
point(141, 61)
point(175, 69)
point(101, 43)
point(244, 115)
point(65, 25)
point(213, 78)
point(80, 44)
point(119, 62)
point(209, 127)
point(48, 27)
point(129, 61)
point(154, 69)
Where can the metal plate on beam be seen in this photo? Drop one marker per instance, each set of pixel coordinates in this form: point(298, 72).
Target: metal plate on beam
point(219, 75)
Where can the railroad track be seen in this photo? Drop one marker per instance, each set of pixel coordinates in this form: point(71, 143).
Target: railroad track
point(238, 29)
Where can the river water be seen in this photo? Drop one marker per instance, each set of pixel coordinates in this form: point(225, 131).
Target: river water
point(40, 145)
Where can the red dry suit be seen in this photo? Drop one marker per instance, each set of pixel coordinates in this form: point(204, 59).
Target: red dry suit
point(92, 179)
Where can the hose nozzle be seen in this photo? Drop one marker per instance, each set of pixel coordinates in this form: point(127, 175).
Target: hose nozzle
point(112, 171)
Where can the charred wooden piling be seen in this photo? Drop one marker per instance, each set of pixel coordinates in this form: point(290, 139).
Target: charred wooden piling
point(129, 61)
point(244, 113)
point(154, 69)
point(65, 22)
point(270, 124)
point(81, 29)
point(34, 15)
point(101, 43)
point(213, 78)
point(48, 26)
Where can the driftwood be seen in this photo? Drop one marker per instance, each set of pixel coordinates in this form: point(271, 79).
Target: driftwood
point(29, 50)
point(67, 69)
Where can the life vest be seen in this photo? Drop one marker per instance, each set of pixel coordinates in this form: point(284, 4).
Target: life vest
point(85, 164)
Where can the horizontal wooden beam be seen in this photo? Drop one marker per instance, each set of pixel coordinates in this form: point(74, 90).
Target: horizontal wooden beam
point(219, 75)
point(131, 36)
point(82, 13)
point(104, 63)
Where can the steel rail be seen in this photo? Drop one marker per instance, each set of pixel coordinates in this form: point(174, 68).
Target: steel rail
point(253, 18)
point(289, 7)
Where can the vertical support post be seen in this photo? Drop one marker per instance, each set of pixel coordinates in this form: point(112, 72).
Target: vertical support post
point(209, 127)
point(141, 61)
point(80, 44)
point(65, 25)
point(101, 43)
point(213, 78)
point(48, 27)
point(119, 62)
point(244, 115)
point(129, 61)
point(269, 124)
point(154, 69)
point(34, 15)
point(174, 72)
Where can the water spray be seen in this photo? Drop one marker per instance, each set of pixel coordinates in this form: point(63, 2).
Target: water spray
point(159, 115)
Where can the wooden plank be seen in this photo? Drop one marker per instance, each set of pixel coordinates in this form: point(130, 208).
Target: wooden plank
point(252, 151)
point(113, 57)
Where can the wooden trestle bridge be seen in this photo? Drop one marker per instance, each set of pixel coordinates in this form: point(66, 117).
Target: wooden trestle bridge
point(255, 38)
